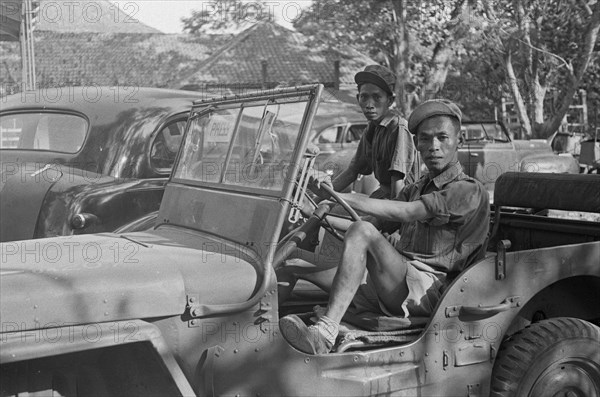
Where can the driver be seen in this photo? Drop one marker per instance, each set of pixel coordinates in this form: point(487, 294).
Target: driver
point(444, 216)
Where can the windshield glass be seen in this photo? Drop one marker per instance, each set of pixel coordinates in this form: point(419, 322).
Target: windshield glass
point(247, 145)
point(484, 131)
point(46, 131)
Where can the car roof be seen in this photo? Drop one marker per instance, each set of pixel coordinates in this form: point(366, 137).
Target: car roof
point(331, 113)
point(98, 100)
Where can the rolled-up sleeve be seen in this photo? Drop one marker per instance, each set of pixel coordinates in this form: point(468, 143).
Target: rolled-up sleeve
point(404, 152)
point(453, 204)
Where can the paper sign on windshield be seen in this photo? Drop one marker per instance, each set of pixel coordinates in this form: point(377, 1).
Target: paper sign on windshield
point(220, 128)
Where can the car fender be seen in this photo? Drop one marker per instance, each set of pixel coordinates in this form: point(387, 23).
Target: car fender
point(111, 203)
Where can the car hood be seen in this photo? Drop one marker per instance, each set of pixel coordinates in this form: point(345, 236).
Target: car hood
point(527, 148)
point(107, 277)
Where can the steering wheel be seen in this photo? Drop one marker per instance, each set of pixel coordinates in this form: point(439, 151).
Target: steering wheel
point(340, 201)
point(315, 220)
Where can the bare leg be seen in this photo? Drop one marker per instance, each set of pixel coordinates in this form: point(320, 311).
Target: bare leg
point(366, 248)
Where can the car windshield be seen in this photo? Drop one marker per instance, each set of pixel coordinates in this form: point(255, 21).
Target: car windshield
point(484, 131)
point(248, 145)
point(47, 131)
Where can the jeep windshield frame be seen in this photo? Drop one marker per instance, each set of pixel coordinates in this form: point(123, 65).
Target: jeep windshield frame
point(252, 143)
point(237, 219)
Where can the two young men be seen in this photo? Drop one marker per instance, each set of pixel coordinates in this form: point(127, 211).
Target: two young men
point(444, 218)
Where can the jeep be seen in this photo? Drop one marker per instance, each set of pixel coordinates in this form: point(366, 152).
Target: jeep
point(190, 307)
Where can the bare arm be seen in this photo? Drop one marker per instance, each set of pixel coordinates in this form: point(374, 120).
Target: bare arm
point(343, 180)
point(388, 210)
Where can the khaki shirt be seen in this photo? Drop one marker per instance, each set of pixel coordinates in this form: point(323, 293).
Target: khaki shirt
point(386, 147)
point(458, 225)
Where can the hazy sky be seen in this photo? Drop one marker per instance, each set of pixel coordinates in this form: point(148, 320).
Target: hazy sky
point(165, 15)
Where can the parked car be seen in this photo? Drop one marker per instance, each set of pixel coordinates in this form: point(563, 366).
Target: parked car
point(191, 307)
point(86, 159)
point(489, 152)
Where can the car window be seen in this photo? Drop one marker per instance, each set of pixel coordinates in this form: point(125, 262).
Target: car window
point(355, 132)
point(484, 131)
point(46, 131)
point(473, 133)
point(494, 131)
point(329, 135)
point(165, 146)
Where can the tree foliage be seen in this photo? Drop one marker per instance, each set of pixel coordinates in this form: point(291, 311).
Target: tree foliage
point(225, 15)
point(418, 40)
point(545, 47)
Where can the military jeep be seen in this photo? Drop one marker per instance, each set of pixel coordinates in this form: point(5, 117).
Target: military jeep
point(190, 307)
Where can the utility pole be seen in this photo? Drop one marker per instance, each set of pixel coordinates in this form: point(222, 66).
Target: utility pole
point(28, 14)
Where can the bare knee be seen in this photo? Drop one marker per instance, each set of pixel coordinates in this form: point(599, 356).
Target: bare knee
point(361, 231)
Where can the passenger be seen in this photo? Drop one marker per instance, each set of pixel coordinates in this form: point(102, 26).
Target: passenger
point(445, 217)
point(386, 149)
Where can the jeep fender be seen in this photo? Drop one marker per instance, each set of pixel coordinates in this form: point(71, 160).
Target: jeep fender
point(478, 309)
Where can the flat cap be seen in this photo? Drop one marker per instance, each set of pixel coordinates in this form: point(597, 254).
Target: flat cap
point(431, 108)
point(379, 75)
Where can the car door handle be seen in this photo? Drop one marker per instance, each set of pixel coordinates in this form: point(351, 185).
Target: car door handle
point(474, 154)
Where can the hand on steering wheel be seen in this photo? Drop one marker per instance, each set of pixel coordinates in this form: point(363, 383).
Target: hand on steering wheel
point(324, 189)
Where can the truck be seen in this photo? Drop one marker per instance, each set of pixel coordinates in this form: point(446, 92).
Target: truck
point(190, 307)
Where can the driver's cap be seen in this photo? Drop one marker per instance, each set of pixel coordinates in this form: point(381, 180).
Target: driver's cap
point(431, 108)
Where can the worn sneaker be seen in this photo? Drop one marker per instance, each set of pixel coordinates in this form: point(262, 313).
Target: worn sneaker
point(307, 339)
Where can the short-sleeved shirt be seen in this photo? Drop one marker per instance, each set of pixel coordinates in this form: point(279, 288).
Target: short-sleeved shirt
point(386, 147)
point(457, 228)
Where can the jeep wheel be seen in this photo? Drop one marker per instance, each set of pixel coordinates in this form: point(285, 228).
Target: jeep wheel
point(555, 357)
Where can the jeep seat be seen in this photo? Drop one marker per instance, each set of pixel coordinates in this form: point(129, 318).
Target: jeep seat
point(536, 210)
point(568, 192)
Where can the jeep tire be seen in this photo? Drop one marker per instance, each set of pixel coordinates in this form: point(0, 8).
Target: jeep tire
point(554, 357)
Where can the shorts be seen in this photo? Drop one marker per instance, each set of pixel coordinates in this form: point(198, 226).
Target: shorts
point(424, 291)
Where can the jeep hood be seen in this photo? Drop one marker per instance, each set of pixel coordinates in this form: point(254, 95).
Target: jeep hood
point(107, 277)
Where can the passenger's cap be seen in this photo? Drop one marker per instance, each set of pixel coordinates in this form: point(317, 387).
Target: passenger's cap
point(379, 75)
point(431, 108)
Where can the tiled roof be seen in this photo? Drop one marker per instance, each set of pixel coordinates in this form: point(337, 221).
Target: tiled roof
point(289, 60)
point(154, 60)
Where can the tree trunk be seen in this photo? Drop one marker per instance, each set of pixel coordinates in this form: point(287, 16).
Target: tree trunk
point(401, 69)
point(538, 93)
point(516, 94)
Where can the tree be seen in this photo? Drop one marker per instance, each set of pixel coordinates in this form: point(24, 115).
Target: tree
point(418, 40)
point(544, 44)
point(225, 15)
